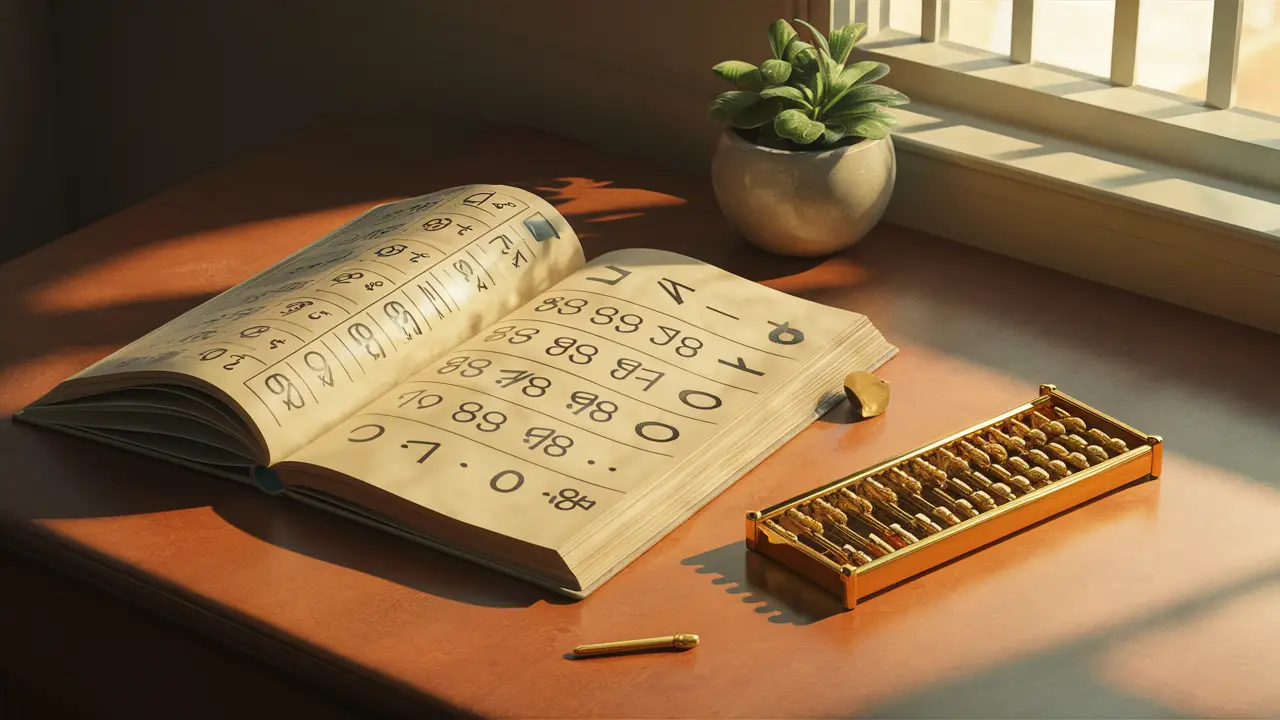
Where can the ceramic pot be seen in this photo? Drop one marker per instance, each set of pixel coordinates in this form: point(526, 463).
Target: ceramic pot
point(803, 203)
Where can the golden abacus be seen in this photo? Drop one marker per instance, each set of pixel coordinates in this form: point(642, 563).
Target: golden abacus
point(880, 526)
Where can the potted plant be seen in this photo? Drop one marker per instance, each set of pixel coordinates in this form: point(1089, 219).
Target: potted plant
point(805, 164)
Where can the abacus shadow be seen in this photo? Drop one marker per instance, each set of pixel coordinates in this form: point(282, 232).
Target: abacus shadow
point(775, 592)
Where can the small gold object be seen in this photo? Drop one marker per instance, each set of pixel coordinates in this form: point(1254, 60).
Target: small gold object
point(1033, 436)
point(1039, 476)
point(669, 642)
point(976, 456)
point(1013, 444)
point(1095, 453)
point(983, 501)
point(868, 395)
point(1074, 442)
point(1052, 428)
point(1077, 461)
point(1115, 445)
point(1074, 424)
point(1019, 465)
point(948, 460)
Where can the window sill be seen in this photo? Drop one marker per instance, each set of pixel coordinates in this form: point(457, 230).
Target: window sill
point(1166, 127)
point(1170, 233)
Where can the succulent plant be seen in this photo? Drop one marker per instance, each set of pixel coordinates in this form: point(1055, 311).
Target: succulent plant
point(805, 97)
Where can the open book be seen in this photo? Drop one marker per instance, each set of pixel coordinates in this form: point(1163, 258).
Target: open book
point(449, 368)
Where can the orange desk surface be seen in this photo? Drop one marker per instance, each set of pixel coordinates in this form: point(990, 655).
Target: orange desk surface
point(1160, 599)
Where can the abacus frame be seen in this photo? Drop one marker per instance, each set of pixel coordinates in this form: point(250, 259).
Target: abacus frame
point(851, 583)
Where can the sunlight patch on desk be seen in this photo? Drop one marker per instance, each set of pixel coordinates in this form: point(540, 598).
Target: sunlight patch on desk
point(208, 261)
point(1222, 661)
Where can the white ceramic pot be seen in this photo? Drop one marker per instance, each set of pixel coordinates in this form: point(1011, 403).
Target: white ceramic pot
point(803, 203)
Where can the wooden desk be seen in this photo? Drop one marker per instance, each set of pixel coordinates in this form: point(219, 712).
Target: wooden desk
point(1160, 599)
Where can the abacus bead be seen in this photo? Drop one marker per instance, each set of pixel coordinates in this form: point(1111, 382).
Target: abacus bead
point(983, 500)
point(946, 515)
point(1058, 469)
point(966, 507)
point(1039, 475)
point(1039, 457)
point(908, 537)
point(1003, 491)
point(1095, 453)
point(1019, 465)
point(1073, 442)
point(1078, 461)
point(996, 451)
point(928, 523)
point(1056, 450)
point(1021, 483)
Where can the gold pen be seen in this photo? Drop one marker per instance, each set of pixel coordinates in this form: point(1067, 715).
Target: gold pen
point(672, 642)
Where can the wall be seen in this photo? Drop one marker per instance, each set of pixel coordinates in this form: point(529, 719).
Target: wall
point(154, 92)
point(31, 209)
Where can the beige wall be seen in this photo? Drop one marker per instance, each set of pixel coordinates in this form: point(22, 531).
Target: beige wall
point(153, 92)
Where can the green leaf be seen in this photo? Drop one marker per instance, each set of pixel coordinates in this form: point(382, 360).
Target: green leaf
point(829, 68)
point(843, 39)
point(852, 77)
point(788, 93)
point(868, 127)
point(808, 94)
point(731, 70)
point(780, 36)
point(800, 54)
point(762, 113)
point(872, 74)
point(775, 72)
point(795, 126)
point(878, 94)
point(817, 36)
point(726, 105)
point(851, 112)
point(832, 134)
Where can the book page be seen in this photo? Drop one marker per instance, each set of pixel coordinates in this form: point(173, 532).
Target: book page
point(555, 413)
point(325, 331)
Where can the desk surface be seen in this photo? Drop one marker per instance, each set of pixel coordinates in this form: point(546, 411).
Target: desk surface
point(1160, 599)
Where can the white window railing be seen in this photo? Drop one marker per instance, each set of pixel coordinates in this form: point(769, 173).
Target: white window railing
point(935, 16)
point(1207, 133)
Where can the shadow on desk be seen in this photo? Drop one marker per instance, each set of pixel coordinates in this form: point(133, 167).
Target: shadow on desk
point(112, 483)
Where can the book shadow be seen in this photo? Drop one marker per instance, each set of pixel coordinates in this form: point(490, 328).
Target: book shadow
point(333, 539)
point(773, 591)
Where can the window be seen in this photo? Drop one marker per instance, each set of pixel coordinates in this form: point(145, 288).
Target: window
point(1187, 82)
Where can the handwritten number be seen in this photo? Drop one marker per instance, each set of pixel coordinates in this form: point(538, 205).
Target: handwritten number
point(658, 432)
point(506, 243)
point(626, 368)
point(316, 362)
point(622, 275)
point(784, 334)
point(741, 365)
point(378, 430)
point(400, 315)
point(496, 482)
point(364, 336)
point(673, 289)
point(421, 398)
point(434, 446)
point(281, 385)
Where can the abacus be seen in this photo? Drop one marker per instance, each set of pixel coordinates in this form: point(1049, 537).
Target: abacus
point(890, 522)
